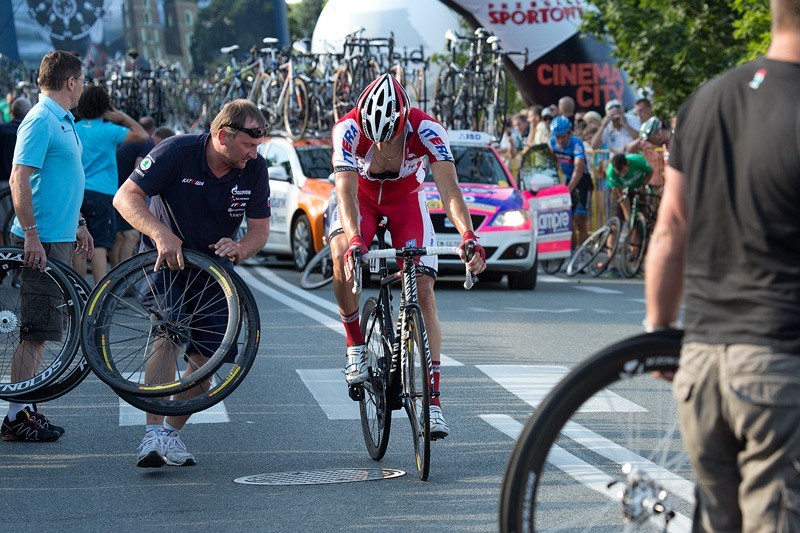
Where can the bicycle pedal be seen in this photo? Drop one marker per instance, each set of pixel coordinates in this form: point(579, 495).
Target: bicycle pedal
point(356, 392)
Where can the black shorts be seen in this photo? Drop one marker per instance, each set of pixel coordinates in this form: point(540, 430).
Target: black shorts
point(582, 196)
point(183, 297)
point(101, 218)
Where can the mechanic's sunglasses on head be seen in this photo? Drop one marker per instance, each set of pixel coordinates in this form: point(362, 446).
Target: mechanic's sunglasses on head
point(255, 133)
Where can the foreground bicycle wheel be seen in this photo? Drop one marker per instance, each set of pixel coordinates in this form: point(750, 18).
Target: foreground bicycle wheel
point(78, 368)
point(376, 416)
point(226, 378)
point(140, 326)
point(418, 387)
point(594, 244)
point(319, 270)
point(54, 319)
point(603, 451)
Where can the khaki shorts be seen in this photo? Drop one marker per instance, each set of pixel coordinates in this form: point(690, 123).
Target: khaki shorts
point(740, 422)
point(41, 298)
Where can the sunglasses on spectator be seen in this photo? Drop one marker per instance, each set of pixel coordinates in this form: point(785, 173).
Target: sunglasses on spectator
point(255, 133)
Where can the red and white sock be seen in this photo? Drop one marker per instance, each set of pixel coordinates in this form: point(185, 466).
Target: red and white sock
point(352, 327)
point(436, 376)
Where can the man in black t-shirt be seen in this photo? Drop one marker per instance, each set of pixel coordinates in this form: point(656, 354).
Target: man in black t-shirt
point(8, 136)
point(727, 236)
point(201, 187)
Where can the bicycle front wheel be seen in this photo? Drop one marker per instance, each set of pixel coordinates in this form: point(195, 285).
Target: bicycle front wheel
point(319, 270)
point(608, 249)
point(376, 417)
point(603, 451)
point(591, 248)
point(159, 333)
point(226, 378)
point(418, 386)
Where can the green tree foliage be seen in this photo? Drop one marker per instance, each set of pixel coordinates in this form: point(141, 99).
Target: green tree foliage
point(673, 46)
point(228, 22)
point(303, 18)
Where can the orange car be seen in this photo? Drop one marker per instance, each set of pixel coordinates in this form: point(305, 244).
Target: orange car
point(299, 191)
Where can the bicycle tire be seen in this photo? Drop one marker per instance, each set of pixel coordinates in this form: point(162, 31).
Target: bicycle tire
point(343, 97)
point(56, 355)
point(587, 251)
point(373, 407)
point(78, 368)
point(418, 386)
point(319, 270)
point(554, 481)
point(634, 245)
point(295, 109)
point(134, 310)
point(552, 266)
point(227, 377)
point(608, 250)
point(444, 93)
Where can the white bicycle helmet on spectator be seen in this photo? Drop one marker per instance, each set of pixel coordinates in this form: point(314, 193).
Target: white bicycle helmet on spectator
point(652, 125)
point(382, 109)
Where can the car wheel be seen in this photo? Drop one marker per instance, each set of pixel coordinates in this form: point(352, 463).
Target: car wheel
point(524, 281)
point(302, 242)
point(490, 277)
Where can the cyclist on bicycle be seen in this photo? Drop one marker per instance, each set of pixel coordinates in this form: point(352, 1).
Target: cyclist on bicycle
point(628, 172)
point(571, 155)
point(378, 159)
point(653, 144)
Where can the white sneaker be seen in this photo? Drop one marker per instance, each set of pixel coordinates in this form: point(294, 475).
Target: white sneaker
point(151, 451)
point(439, 428)
point(356, 370)
point(175, 451)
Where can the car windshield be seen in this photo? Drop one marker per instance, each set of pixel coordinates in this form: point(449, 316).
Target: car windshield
point(315, 161)
point(476, 164)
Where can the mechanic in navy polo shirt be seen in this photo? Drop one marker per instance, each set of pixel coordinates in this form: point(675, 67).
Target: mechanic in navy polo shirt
point(201, 188)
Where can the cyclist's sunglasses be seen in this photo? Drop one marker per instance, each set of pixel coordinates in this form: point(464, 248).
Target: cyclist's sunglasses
point(255, 133)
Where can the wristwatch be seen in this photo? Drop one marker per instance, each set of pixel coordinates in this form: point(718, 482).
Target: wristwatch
point(67, 22)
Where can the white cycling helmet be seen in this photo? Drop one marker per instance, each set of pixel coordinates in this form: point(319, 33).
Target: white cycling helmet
point(382, 109)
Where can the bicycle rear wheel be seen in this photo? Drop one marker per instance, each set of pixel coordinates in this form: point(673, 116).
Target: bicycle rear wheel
point(591, 247)
point(226, 378)
point(418, 387)
point(140, 326)
point(376, 416)
point(295, 109)
point(49, 293)
point(319, 270)
point(567, 470)
point(78, 368)
point(633, 247)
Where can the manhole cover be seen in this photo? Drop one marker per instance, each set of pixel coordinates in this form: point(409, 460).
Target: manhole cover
point(320, 477)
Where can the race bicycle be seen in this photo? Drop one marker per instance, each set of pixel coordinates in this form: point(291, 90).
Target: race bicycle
point(602, 451)
point(397, 352)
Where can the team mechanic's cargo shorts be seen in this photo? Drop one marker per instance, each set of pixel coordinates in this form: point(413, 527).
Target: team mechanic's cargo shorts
point(41, 299)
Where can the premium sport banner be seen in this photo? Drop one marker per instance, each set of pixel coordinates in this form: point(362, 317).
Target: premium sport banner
point(561, 61)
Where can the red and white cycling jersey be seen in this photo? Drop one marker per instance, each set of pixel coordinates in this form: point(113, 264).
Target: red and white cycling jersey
point(424, 136)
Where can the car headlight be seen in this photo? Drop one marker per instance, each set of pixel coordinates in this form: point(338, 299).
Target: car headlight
point(512, 219)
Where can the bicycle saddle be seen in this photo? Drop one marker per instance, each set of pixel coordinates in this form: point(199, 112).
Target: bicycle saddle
point(270, 40)
point(229, 49)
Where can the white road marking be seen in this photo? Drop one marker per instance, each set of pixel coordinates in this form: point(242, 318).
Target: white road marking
point(596, 290)
point(551, 278)
point(548, 311)
point(329, 388)
point(591, 476)
point(131, 416)
point(531, 383)
point(335, 325)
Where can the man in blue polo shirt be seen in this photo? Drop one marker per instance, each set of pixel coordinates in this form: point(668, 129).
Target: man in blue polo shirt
point(201, 188)
point(46, 182)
